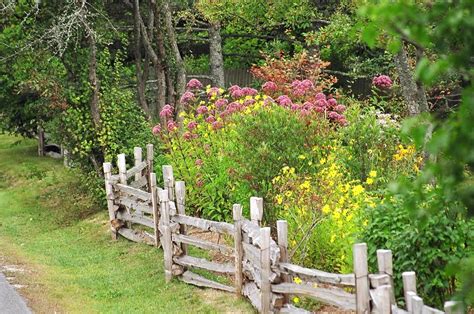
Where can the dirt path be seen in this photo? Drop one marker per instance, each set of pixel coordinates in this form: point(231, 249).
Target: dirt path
point(10, 299)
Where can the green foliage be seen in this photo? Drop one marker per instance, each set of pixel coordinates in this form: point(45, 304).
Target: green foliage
point(426, 248)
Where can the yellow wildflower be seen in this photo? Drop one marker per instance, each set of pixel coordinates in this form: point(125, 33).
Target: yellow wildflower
point(305, 185)
point(288, 193)
point(302, 157)
point(296, 300)
point(369, 181)
point(297, 280)
point(326, 209)
point(333, 238)
point(373, 174)
point(356, 190)
point(322, 161)
point(292, 170)
point(279, 199)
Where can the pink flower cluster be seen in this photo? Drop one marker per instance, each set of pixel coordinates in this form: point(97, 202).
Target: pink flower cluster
point(186, 98)
point(300, 88)
point(238, 92)
point(194, 84)
point(166, 112)
point(382, 81)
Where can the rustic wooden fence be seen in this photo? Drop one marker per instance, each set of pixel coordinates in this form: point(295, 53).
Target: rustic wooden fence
point(261, 271)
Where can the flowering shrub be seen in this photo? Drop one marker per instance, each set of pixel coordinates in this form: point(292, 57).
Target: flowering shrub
point(382, 82)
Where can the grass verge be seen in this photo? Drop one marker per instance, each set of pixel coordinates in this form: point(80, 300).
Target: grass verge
point(54, 232)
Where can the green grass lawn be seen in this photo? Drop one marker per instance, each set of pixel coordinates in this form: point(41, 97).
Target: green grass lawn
point(52, 229)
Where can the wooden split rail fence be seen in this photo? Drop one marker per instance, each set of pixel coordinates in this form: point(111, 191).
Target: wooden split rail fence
point(260, 267)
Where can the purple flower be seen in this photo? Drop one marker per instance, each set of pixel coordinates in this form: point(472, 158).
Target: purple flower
point(188, 136)
point(333, 115)
point(172, 126)
point(199, 162)
point(201, 109)
point(307, 84)
point(237, 93)
point(194, 84)
point(295, 107)
point(249, 102)
point(269, 87)
point(308, 105)
point(187, 98)
point(322, 103)
point(156, 129)
point(382, 81)
point(217, 125)
point(233, 88)
point(192, 125)
point(221, 103)
point(166, 112)
point(284, 101)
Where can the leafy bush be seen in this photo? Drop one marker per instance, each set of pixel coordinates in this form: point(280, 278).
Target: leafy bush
point(427, 248)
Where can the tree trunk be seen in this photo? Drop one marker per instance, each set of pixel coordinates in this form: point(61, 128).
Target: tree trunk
point(180, 70)
point(141, 78)
point(215, 52)
point(413, 92)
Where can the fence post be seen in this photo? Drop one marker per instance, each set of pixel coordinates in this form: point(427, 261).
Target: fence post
point(137, 154)
point(122, 166)
point(381, 300)
point(40, 141)
point(282, 232)
point(265, 287)
point(361, 278)
point(168, 179)
point(154, 204)
point(409, 284)
point(453, 307)
point(237, 215)
point(109, 194)
point(385, 266)
point(166, 243)
point(416, 303)
point(256, 209)
point(149, 163)
point(180, 204)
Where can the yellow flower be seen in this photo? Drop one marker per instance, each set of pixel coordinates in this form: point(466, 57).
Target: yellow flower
point(326, 209)
point(305, 185)
point(279, 199)
point(276, 179)
point(322, 161)
point(333, 238)
point(296, 300)
point(288, 193)
point(356, 190)
point(310, 163)
point(301, 157)
point(297, 280)
point(292, 170)
point(369, 181)
point(373, 174)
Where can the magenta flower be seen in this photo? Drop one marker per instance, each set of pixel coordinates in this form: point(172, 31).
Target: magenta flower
point(307, 84)
point(320, 109)
point(284, 101)
point(199, 162)
point(210, 119)
point(308, 105)
point(332, 102)
point(249, 91)
point(192, 125)
point(201, 109)
point(221, 103)
point(269, 87)
point(156, 129)
point(268, 101)
point(188, 136)
point(320, 96)
point(333, 115)
point(233, 88)
point(166, 112)
point(187, 98)
point(214, 91)
point(194, 84)
point(217, 125)
point(249, 102)
point(172, 126)
point(340, 108)
point(237, 93)
point(322, 103)
point(294, 107)
point(382, 81)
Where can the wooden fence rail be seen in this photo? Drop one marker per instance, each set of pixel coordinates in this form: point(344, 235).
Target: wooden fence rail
point(259, 265)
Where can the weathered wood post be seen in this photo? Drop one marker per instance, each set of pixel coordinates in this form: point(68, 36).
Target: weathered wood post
point(361, 278)
point(237, 215)
point(166, 242)
point(282, 232)
point(181, 208)
point(137, 154)
point(122, 166)
point(40, 141)
point(409, 284)
point(256, 209)
point(381, 300)
point(265, 285)
point(149, 163)
point(109, 194)
point(168, 180)
point(385, 266)
point(453, 307)
point(155, 206)
point(416, 303)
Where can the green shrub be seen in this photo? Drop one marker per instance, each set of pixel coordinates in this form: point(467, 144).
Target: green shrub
point(424, 247)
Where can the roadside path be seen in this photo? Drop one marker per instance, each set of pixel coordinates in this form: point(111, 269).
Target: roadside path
point(10, 301)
